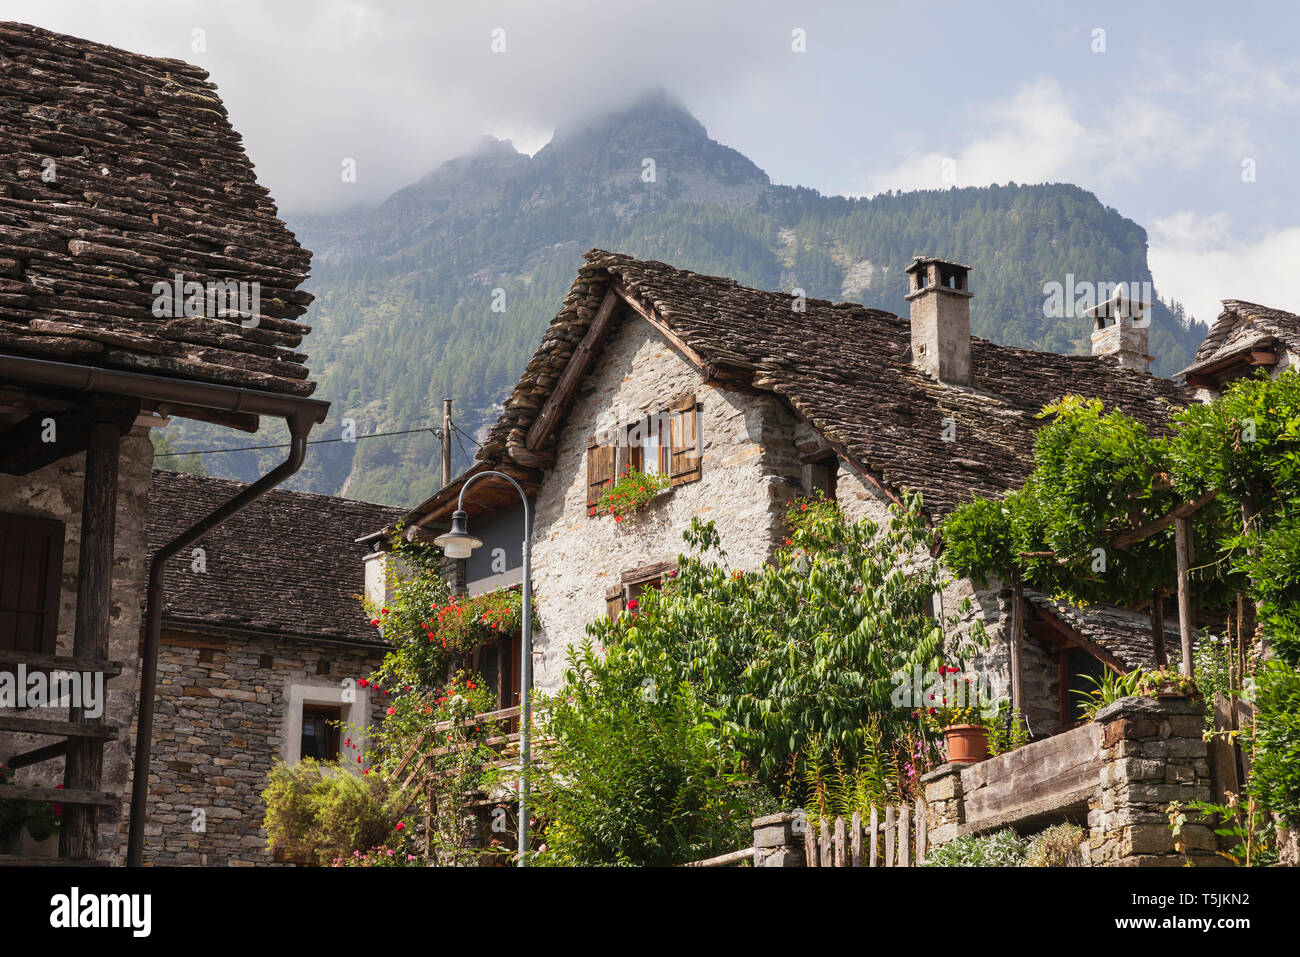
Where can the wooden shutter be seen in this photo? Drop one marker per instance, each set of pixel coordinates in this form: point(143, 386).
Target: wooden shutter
point(31, 573)
point(684, 430)
point(600, 471)
point(614, 601)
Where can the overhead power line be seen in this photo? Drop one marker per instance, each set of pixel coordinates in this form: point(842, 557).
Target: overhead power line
point(257, 448)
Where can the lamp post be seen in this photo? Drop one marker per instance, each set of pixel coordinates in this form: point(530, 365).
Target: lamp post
point(459, 543)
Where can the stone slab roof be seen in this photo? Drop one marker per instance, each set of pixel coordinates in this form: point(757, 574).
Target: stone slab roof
point(287, 565)
point(1243, 325)
point(847, 370)
point(118, 171)
point(1125, 634)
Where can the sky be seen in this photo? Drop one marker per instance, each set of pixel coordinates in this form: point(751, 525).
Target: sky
point(1182, 116)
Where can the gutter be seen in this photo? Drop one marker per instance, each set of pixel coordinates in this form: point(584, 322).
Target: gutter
point(299, 413)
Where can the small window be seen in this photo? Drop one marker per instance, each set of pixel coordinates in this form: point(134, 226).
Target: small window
point(320, 732)
point(634, 583)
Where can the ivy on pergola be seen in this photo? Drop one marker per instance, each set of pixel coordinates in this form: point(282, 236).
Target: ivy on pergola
point(1113, 514)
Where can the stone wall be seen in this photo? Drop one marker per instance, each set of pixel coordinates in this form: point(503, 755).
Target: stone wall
point(1154, 754)
point(222, 715)
point(1121, 771)
point(56, 492)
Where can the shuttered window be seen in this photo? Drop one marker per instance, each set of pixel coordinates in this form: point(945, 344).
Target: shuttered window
point(600, 471)
point(31, 569)
point(684, 433)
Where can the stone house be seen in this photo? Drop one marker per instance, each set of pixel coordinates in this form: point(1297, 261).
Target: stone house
point(749, 399)
point(123, 189)
point(1246, 337)
point(263, 638)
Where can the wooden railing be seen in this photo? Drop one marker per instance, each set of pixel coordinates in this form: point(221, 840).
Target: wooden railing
point(892, 837)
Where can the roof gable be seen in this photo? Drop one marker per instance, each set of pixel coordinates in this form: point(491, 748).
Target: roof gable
point(1241, 327)
point(124, 171)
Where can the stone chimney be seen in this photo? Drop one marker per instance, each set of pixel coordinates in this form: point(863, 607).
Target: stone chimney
point(1119, 328)
point(940, 296)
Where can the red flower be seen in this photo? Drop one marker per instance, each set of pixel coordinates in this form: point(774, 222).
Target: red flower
point(366, 771)
point(391, 711)
point(362, 682)
point(401, 826)
point(374, 622)
point(632, 604)
point(472, 686)
point(383, 611)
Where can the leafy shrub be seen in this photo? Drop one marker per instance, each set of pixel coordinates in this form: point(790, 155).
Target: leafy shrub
point(636, 774)
point(316, 812)
point(1107, 689)
point(1275, 774)
point(1000, 849)
point(797, 653)
point(1056, 847)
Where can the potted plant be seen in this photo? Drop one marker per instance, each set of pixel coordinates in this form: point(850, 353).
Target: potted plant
point(956, 714)
point(1166, 683)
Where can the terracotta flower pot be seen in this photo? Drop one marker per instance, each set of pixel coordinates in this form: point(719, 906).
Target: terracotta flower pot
point(967, 743)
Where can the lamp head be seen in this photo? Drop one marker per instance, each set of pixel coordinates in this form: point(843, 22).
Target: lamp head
point(457, 543)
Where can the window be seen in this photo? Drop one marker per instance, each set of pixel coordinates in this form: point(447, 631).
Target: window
point(821, 474)
point(666, 442)
point(31, 570)
point(308, 710)
point(633, 583)
point(320, 733)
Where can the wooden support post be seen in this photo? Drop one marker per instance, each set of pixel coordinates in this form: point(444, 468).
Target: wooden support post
point(1158, 628)
point(1017, 640)
point(855, 840)
point(1182, 543)
point(446, 442)
point(84, 765)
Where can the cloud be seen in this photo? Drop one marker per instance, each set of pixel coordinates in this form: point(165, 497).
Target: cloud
point(1197, 260)
point(1041, 135)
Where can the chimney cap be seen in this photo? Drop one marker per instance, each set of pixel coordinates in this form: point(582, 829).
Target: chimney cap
point(1121, 304)
point(919, 261)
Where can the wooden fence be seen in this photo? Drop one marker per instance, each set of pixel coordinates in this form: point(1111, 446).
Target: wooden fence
point(892, 837)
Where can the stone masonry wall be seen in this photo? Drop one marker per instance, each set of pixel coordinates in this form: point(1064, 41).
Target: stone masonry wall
point(56, 492)
point(221, 718)
point(750, 472)
point(1154, 754)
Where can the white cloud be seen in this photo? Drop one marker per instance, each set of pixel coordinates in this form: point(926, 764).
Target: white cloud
point(1040, 135)
point(1197, 260)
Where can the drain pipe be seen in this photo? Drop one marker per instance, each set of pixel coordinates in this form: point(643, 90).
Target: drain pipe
point(299, 427)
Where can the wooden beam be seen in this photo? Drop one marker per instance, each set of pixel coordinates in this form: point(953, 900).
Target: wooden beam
point(1124, 539)
point(574, 370)
point(84, 766)
point(41, 440)
point(649, 316)
point(1182, 543)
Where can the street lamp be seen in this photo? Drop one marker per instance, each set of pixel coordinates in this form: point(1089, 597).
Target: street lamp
point(459, 543)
